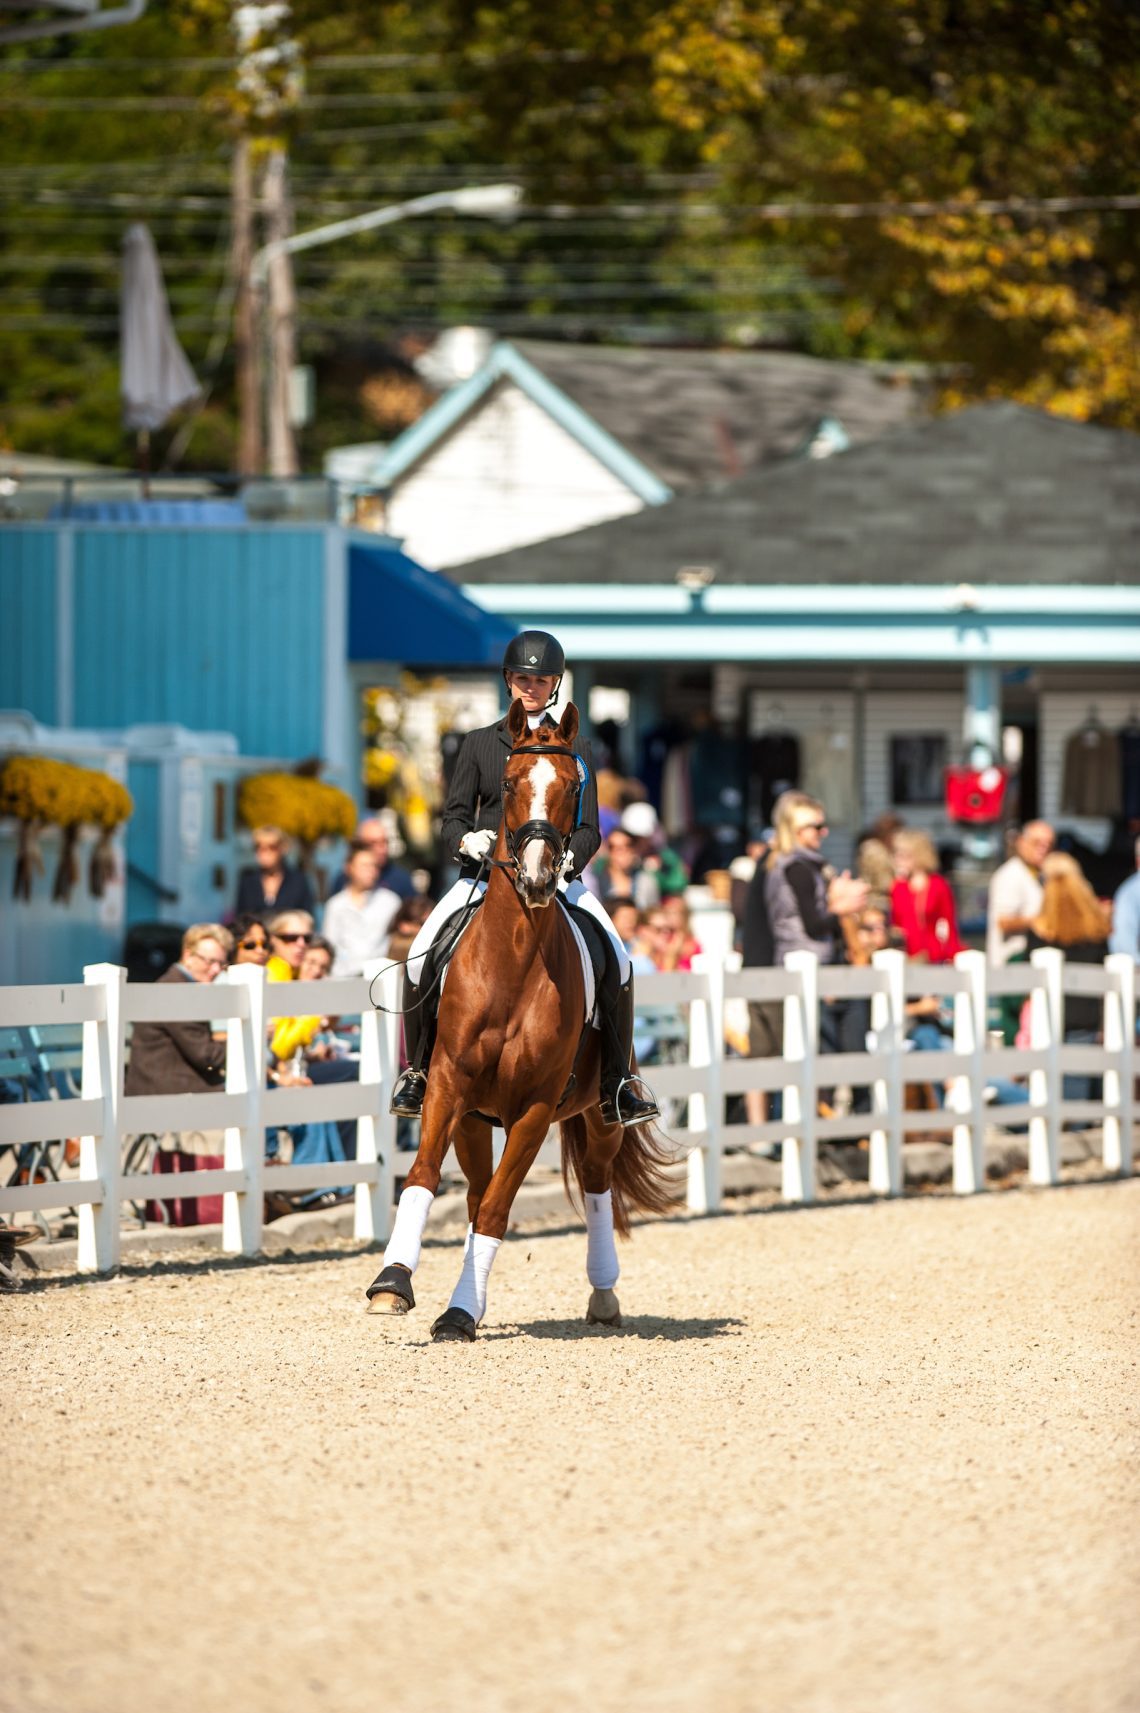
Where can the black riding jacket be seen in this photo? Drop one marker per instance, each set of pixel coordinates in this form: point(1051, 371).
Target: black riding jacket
point(475, 800)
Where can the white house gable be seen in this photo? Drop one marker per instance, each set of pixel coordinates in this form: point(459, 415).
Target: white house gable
point(507, 476)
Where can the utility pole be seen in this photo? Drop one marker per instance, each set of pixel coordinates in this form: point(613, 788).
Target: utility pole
point(267, 91)
point(246, 351)
point(282, 307)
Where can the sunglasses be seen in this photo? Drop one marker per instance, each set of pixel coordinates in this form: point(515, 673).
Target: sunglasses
point(292, 939)
point(814, 827)
point(267, 847)
point(253, 945)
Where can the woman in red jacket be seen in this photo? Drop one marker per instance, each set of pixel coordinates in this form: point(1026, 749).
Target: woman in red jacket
point(922, 904)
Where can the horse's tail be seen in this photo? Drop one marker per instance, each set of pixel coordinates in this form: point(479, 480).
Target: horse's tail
point(640, 1184)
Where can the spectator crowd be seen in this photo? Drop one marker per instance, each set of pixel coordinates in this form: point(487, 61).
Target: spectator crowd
point(785, 895)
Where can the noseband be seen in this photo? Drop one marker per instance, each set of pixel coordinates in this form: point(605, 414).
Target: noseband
point(550, 835)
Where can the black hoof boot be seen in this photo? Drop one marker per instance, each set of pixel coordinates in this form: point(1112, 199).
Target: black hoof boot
point(454, 1326)
point(408, 1094)
point(391, 1290)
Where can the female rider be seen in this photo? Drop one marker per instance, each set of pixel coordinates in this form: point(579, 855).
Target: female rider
point(532, 667)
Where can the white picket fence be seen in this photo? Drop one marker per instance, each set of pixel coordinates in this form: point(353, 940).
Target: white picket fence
point(103, 1116)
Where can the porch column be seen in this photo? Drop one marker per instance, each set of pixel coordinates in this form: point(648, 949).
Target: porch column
point(981, 717)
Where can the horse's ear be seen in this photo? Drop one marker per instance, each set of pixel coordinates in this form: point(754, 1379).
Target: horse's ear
point(568, 726)
point(516, 720)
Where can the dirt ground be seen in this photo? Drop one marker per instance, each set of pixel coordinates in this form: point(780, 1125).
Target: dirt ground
point(868, 1456)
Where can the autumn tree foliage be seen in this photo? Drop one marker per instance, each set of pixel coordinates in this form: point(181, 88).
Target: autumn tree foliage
point(951, 182)
point(876, 105)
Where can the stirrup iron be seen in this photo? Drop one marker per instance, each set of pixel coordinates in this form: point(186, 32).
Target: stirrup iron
point(408, 1094)
point(633, 1102)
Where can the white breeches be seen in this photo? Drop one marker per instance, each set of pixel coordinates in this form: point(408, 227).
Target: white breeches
point(458, 895)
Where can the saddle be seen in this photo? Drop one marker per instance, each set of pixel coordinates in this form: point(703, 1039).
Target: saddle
point(439, 954)
point(597, 943)
point(601, 960)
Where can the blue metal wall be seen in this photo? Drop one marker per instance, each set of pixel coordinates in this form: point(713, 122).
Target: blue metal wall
point(214, 629)
point(28, 621)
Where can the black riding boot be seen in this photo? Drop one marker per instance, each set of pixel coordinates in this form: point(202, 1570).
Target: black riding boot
point(622, 1093)
point(419, 1038)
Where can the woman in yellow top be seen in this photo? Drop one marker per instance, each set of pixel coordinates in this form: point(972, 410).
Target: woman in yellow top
point(289, 934)
point(294, 1032)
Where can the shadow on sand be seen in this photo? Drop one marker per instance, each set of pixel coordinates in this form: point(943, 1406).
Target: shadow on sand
point(633, 1326)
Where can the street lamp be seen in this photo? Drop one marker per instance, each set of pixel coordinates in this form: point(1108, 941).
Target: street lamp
point(484, 199)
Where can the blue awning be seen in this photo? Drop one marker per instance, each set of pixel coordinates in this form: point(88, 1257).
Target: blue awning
point(398, 611)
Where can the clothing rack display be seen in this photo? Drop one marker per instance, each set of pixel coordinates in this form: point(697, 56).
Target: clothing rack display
point(1093, 776)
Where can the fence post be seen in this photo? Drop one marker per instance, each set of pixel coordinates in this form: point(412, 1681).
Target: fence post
point(376, 1133)
point(968, 1095)
point(706, 1112)
point(1120, 1038)
point(102, 1156)
point(243, 1210)
point(801, 1048)
point(1046, 1032)
point(888, 1021)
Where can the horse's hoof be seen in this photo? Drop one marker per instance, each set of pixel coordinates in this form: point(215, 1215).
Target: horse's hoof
point(603, 1309)
point(454, 1326)
point(391, 1292)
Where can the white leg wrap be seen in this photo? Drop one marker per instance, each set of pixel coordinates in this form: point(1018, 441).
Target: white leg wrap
point(471, 1291)
point(602, 1266)
point(411, 1217)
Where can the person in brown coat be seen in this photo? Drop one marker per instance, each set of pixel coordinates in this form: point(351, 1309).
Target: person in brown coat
point(183, 1058)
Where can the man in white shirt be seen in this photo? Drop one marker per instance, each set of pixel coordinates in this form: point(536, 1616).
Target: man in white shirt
point(1125, 936)
point(1016, 894)
point(357, 919)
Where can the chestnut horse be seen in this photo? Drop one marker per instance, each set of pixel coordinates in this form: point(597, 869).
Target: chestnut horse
point(507, 1048)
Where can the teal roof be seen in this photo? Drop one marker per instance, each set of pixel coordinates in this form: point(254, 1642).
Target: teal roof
point(506, 363)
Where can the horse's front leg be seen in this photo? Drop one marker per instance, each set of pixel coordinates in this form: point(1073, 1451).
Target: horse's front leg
point(468, 1302)
point(602, 1265)
point(391, 1290)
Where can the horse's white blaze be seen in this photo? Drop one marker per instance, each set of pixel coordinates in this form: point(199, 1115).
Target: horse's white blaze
point(534, 853)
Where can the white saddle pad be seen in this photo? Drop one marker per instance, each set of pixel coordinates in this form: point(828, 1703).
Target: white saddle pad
point(587, 967)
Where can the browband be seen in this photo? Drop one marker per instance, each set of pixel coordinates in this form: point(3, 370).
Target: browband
point(544, 749)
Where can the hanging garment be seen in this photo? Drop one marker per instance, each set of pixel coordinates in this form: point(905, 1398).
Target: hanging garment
point(1091, 779)
point(677, 794)
point(717, 778)
point(1128, 741)
point(829, 774)
point(773, 767)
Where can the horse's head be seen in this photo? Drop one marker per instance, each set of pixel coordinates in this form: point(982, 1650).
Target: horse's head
point(541, 794)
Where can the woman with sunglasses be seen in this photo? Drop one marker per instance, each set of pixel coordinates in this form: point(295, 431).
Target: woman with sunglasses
point(808, 904)
point(289, 934)
point(251, 940)
point(272, 884)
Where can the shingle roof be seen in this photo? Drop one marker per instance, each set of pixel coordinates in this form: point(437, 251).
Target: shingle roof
point(699, 416)
point(995, 493)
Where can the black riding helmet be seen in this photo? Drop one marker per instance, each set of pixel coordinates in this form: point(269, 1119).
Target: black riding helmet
point(538, 652)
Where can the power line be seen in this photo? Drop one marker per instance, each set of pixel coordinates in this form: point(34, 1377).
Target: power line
point(586, 216)
point(194, 103)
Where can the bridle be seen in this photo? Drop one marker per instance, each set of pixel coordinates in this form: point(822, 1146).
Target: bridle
point(551, 836)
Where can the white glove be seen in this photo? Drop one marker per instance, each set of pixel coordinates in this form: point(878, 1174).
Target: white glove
point(477, 845)
point(566, 866)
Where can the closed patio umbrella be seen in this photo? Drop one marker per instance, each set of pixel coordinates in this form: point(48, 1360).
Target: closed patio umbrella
point(155, 376)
